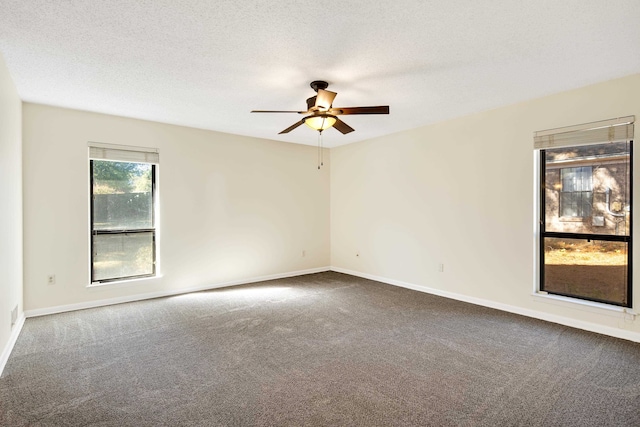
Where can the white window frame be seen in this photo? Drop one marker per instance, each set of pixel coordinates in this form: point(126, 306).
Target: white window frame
point(131, 154)
point(618, 129)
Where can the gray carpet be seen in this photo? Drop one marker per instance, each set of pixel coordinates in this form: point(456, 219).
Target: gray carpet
point(323, 349)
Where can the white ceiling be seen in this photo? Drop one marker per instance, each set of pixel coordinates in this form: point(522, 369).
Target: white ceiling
point(206, 64)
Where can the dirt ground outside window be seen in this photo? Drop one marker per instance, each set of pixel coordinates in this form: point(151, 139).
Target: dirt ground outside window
point(595, 271)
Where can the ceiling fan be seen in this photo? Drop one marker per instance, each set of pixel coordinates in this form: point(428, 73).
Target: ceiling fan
point(322, 114)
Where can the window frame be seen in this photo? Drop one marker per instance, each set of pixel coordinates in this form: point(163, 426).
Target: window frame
point(93, 232)
point(542, 233)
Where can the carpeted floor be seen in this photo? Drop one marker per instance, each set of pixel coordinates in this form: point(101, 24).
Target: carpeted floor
point(323, 349)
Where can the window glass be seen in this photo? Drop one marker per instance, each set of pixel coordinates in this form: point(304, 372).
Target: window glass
point(122, 255)
point(121, 195)
point(585, 232)
point(593, 269)
point(587, 189)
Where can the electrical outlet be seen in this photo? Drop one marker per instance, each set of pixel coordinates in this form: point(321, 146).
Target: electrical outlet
point(441, 268)
point(304, 253)
point(51, 279)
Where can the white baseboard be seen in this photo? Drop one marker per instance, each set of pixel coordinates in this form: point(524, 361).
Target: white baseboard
point(151, 295)
point(566, 321)
point(15, 332)
point(562, 320)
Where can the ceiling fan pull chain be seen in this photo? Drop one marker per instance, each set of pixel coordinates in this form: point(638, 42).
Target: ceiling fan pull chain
point(321, 150)
point(319, 136)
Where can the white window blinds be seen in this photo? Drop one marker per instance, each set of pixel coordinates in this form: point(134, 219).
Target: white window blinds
point(123, 153)
point(614, 130)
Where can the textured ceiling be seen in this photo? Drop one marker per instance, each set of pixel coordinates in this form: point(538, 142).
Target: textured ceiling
point(206, 64)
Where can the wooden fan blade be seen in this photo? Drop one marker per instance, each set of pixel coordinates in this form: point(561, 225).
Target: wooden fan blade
point(272, 111)
point(324, 99)
point(342, 126)
point(292, 127)
point(382, 109)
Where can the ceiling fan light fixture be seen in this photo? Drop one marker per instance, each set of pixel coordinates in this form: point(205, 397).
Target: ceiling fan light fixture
point(322, 114)
point(320, 122)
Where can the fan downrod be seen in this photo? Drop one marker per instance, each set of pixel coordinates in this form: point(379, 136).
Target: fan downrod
point(319, 84)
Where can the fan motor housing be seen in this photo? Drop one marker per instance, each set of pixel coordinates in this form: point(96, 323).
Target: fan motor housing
point(311, 102)
point(319, 84)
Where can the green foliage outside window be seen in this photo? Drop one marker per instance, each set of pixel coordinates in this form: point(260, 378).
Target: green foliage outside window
point(121, 177)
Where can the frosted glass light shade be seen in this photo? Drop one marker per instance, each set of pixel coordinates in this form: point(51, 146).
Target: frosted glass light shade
point(320, 122)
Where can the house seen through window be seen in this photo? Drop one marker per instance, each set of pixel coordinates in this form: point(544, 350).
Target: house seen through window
point(585, 216)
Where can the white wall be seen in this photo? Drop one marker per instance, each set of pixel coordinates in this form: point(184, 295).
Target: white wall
point(461, 193)
point(10, 209)
point(232, 208)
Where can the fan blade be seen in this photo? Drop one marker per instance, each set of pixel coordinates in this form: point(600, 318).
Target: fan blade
point(272, 111)
point(383, 109)
point(292, 127)
point(342, 126)
point(324, 99)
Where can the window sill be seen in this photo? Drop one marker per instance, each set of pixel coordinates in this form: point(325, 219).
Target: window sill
point(584, 305)
point(125, 282)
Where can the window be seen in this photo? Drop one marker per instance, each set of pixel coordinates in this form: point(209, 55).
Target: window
point(586, 175)
point(576, 196)
point(123, 225)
